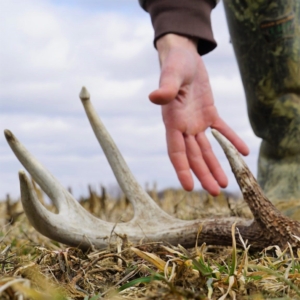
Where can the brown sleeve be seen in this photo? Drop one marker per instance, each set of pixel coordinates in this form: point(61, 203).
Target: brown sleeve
point(184, 17)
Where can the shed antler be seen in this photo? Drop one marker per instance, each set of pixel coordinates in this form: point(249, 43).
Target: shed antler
point(74, 226)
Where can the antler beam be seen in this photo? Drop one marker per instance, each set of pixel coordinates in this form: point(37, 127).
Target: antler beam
point(74, 226)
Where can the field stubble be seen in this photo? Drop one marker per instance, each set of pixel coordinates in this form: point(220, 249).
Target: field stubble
point(34, 267)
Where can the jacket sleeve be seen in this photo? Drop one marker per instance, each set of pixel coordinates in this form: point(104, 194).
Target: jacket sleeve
point(184, 17)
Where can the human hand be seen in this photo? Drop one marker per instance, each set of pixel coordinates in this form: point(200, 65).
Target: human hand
point(188, 110)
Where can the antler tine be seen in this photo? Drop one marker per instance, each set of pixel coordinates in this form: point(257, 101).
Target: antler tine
point(63, 227)
point(40, 174)
point(37, 214)
point(141, 201)
point(250, 189)
point(275, 226)
point(62, 199)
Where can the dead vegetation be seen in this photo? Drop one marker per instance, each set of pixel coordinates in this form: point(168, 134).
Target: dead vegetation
point(154, 255)
point(34, 267)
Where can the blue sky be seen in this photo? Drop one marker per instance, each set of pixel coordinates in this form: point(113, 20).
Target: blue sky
point(51, 48)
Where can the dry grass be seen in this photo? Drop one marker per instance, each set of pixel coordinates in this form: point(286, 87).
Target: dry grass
point(34, 267)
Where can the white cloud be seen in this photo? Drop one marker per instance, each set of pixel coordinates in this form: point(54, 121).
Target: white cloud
point(52, 48)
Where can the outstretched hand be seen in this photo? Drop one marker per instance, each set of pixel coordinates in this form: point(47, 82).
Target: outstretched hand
point(188, 110)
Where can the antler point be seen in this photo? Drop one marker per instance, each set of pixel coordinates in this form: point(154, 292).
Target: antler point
point(22, 173)
point(8, 135)
point(84, 94)
point(22, 176)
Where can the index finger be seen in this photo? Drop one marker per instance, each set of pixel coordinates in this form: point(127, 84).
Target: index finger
point(177, 154)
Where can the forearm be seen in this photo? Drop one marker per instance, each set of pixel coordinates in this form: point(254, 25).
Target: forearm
point(172, 41)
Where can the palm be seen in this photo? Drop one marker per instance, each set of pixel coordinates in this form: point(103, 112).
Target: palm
point(188, 111)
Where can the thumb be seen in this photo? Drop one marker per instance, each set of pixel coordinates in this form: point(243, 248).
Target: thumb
point(169, 85)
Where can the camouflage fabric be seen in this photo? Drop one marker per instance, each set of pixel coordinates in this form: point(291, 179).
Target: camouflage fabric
point(266, 39)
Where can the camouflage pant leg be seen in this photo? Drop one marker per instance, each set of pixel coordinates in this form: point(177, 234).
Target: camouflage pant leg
point(266, 38)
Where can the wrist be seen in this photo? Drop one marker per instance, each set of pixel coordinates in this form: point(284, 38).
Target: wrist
point(170, 41)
